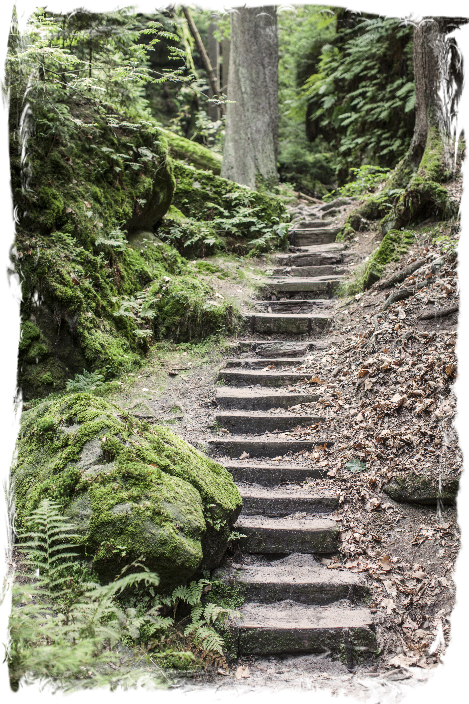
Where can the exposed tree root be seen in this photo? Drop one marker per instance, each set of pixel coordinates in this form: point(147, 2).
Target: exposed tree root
point(441, 313)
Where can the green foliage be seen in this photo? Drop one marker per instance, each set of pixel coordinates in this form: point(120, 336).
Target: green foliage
point(366, 180)
point(361, 97)
point(130, 488)
point(186, 308)
point(85, 382)
point(220, 215)
point(355, 466)
point(71, 630)
point(393, 245)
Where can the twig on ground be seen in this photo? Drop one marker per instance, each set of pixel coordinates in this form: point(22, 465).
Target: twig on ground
point(441, 313)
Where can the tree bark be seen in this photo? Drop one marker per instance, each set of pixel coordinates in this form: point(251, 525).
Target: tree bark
point(225, 52)
point(251, 134)
point(441, 63)
point(214, 57)
point(211, 73)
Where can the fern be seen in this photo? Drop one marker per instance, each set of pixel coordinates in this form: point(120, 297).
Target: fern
point(88, 381)
point(60, 644)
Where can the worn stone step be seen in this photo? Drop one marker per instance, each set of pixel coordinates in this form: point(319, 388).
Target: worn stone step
point(320, 305)
point(314, 255)
point(289, 627)
point(257, 422)
point(320, 270)
point(275, 348)
point(297, 577)
point(247, 377)
point(260, 447)
point(272, 474)
point(261, 363)
point(288, 323)
point(260, 399)
point(286, 535)
point(325, 285)
point(311, 236)
point(302, 222)
point(262, 501)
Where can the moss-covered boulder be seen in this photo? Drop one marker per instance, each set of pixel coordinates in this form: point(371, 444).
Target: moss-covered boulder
point(418, 489)
point(186, 308)
point(183, 149)
point(130, 488)
point(88, 181)
point(202, 195)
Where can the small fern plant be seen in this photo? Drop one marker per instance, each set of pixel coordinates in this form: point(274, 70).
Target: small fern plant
point(69, 641)
point(88, 381)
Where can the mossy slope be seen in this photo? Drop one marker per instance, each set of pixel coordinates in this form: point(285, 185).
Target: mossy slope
point(131, 489)
point(66, 189)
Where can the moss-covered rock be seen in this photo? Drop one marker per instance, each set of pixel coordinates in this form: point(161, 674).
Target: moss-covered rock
point(182, 149)
point(131, 489)
point(187, 308)
point(202, 195)
point(417, 489)
point(77, 269)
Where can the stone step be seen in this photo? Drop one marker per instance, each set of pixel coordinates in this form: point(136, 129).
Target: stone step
point(320, 305)
point(260, 363)
point(305, 288)
point(257, 422)
point(260, 447)
point(286, 535)
point(316, 257)
point(297, 577)
point(247, 377)
point(299, 237)
point(275, 348)
point(302, 222)
point(262, 501)
point(289, 627)
point(272, 474)
point(285, 323)
point(321, 270)
point(260, 399)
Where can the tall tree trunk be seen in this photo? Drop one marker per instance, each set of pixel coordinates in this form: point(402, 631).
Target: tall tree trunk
point(441, 61)
point(251, 134)
point(214, 57)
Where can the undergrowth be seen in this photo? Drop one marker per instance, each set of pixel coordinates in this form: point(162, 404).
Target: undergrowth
point(76, 633)
point(390, 249)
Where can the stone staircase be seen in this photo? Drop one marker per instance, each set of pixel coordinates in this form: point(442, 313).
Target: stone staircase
point(293, 602)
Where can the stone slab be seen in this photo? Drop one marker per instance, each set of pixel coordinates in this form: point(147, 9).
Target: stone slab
point(247, 377)
point(235, 446)
point(298, 578)
point(299, 628)
point(260, 399)
point(286, 535)
point(258, 422)
point(262, 501)
point(272, 474)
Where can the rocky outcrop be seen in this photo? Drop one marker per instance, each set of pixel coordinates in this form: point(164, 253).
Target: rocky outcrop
point(416, 489)
point(132, 490)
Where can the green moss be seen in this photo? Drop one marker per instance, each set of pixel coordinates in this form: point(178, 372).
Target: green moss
point(201, 195)
point(186, 308)
point(196, 154)
point(391, 248)
point(29, 332)
point(131, 489)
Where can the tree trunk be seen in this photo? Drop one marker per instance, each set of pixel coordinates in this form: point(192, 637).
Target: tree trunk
point(225, 53)
point(214, 57)
point(251, 135)
point(441, 62)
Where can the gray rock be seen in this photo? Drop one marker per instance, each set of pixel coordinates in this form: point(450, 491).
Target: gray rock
point(415, 489)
